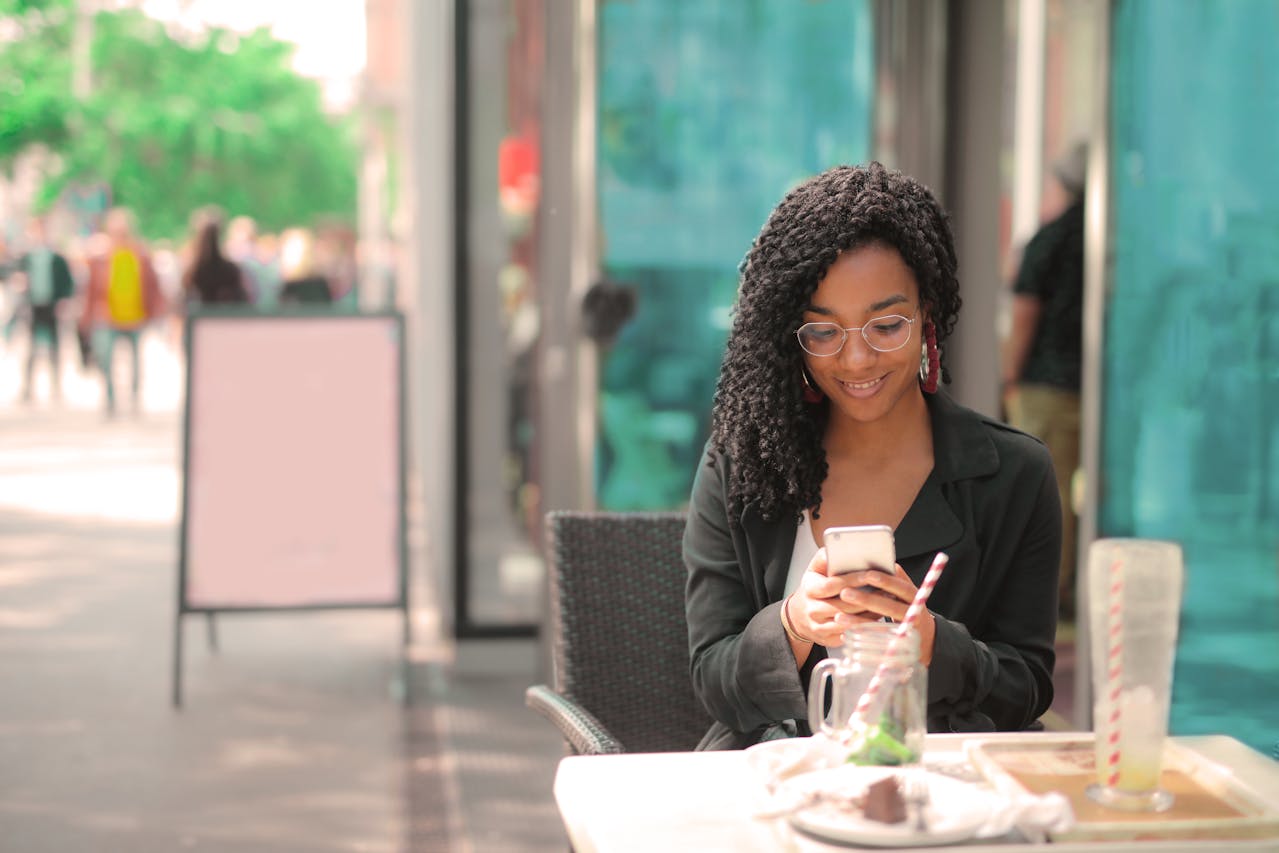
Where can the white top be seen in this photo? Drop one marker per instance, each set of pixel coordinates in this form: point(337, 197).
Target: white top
point(802, 554)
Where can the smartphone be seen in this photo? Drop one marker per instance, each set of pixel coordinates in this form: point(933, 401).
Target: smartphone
point(855, 549)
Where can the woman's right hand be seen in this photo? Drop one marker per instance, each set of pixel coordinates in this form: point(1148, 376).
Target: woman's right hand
point(817, 612)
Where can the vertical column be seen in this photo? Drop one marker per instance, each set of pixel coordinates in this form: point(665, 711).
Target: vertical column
point(569, 259)
point(971, 193)
point(585, 245)
point(1028, 120)
point(487, 533)
point(429, 275)
point(910, 94)
point(1096, 272)
point(82, 49)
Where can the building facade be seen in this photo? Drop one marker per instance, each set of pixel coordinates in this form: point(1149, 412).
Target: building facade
point(578, 181)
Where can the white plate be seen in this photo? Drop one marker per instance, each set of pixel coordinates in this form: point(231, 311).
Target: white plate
point(956, 810)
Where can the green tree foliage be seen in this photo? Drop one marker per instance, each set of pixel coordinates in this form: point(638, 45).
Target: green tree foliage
point(176, 120)
point(35, 75)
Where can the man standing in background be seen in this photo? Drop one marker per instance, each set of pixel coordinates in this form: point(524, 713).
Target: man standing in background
point(122, 296)
point(47, 279)
point(1042, 357)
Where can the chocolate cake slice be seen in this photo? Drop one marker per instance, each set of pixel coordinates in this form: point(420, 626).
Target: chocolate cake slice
point(884, 803)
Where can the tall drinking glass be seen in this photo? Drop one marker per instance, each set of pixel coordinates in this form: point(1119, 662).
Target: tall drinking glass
point(1134, 600)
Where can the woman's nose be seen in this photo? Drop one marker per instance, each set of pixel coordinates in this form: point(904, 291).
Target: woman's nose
point(856, 351)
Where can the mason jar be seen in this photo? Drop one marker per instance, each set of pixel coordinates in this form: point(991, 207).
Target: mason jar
point(876, 705)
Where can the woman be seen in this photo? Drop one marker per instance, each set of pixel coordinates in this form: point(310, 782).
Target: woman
point(212, 278)
point(827, 414)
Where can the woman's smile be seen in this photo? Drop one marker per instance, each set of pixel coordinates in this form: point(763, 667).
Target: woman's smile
point(862, 390)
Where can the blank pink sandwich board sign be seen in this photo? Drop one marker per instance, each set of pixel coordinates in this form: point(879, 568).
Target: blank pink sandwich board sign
point(293, 488)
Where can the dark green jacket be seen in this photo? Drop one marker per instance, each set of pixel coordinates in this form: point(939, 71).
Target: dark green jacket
point(63, 285)
point(990, 503)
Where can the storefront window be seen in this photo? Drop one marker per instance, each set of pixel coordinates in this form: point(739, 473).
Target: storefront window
point(708, 113)
point(1191, 366)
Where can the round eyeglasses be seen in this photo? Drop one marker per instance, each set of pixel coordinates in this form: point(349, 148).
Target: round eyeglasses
point(883, 334)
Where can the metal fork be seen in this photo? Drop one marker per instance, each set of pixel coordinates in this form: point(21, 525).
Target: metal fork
point(915, 792)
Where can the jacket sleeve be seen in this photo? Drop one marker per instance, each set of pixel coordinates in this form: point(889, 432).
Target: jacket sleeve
point(742, 667)
point(1000, 677)
point(63, 284)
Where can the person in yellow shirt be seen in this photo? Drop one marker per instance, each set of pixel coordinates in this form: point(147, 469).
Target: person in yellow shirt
point(121, 297)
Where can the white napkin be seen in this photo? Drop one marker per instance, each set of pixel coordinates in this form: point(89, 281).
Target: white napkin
point(1033, 815)
point(775, 761)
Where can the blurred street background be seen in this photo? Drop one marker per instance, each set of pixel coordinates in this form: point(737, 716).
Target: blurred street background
point(555, 198)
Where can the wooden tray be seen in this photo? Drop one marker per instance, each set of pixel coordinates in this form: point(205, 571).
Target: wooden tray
point(1210, 803)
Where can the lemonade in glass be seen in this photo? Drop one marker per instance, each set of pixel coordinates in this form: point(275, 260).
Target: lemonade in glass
point(1134, 600)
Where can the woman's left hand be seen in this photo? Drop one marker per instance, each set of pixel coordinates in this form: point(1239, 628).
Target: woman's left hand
point(890, 596)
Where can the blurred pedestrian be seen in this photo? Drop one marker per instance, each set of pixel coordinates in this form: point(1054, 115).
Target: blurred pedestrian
point(7, 262)
point(336, 261)
point(9, 307)
point(168, 266)
point(1043, 354)
point(212, 278)
point(304, 282)
point(47, 283)
point(262, 280)
point(121, 297)
point(80, 254)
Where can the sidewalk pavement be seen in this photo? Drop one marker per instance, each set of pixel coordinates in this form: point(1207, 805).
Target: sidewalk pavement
point(294, 735)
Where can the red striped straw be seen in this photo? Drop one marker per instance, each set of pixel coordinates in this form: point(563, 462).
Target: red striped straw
point(899, 636)
point(1114, 667)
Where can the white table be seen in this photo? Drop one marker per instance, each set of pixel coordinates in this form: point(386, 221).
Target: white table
point(704, 801)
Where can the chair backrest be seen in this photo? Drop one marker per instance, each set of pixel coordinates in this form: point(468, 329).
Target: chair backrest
point(619, 632)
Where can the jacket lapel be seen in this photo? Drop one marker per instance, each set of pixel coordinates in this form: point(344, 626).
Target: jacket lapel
point(930, 524)
point(770, 544)
point(961, 450)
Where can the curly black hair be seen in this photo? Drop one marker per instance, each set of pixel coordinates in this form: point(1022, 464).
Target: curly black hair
point(760, 419)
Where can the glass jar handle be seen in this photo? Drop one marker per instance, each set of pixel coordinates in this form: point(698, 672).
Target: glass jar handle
point(824, 670)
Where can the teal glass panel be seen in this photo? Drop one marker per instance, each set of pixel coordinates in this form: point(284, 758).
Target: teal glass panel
point(1190, 438)
point(708, 112)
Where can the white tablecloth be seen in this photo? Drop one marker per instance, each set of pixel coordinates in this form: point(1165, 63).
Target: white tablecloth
point(705, 801)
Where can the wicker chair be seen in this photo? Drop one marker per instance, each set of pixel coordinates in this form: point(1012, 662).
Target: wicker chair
point(619, 635)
